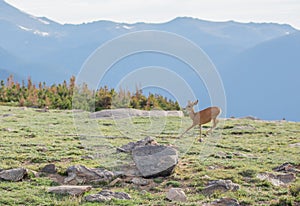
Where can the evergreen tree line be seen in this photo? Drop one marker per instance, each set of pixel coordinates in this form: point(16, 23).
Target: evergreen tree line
point(62, 96)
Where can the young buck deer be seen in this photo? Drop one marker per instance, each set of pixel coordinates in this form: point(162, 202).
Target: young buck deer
point(202, 117)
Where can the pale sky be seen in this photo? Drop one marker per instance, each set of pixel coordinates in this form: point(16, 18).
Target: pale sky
point(156, 11)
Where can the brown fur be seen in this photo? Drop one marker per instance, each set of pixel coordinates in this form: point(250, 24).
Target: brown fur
point(202, 117)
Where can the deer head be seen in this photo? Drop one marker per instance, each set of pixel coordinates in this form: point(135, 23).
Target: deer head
point(190, 105)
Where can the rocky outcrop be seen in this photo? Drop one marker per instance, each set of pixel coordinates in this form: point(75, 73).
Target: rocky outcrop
point(79, 174)
point(220, 186)
point(106, 195)
point(155, 160)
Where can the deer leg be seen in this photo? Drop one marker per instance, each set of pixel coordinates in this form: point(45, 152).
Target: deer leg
point(187, 130)
point(200, 139)
point(215, 122)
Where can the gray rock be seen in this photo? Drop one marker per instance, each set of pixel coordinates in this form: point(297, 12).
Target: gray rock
point(140, 181)
point(50, 169)
point(79, 174)
point(70, 190)
point(287, 167)
point(295, 144)
point(224, 202)
point(13, 174)
point(176, 194)
point(128, 170)
point(106, 195)
point(220, 186)
point(128, 148)
point(155, 160)
point(280, 179)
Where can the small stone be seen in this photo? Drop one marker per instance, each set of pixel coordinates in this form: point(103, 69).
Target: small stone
point(140, 181)
point(50, 169)
point(220, 186)
point(14, 175)
point(114, 182)
point(287, 167)
point(281, 179)
point(224, 202)
point(295, 144)
point(176, 194)
point(70, 190)
point(106, 195)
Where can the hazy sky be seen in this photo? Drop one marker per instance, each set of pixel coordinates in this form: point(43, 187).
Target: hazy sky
point(130, 11)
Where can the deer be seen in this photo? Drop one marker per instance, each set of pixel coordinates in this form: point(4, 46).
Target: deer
point(202, 117)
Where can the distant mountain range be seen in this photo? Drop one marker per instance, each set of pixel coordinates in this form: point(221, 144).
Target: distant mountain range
point(258, 62)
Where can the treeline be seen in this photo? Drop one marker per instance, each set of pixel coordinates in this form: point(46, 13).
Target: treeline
point(62, 96)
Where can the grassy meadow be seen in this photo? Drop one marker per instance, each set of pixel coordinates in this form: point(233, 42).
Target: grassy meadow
point(237, 150)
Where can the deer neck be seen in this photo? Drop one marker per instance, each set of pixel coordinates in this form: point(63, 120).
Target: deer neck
point(192, 114)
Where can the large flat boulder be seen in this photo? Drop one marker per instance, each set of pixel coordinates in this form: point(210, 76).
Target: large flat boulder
point(70, 190)
point(155, 160)
point(14, 175)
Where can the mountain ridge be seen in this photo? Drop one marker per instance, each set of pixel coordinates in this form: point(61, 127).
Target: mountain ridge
point(52, 52)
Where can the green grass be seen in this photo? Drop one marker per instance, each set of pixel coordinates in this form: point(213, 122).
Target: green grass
point(237, 150)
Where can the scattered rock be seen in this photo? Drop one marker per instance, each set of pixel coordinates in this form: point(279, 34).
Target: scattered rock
point(106, 195)
point(114, 182)
point(7, 115)
point(287, 167)
point(277, 179)
point(128, 148)
point(79, 174)
point(50, 169)
point(295, 144)
point(176, 194)
point(14, 175)
point(70, 190)
point(155, 160)
point(7, 129)
point(140, 181)
point(221, 186)
point(42, 149)
point(224, 202)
